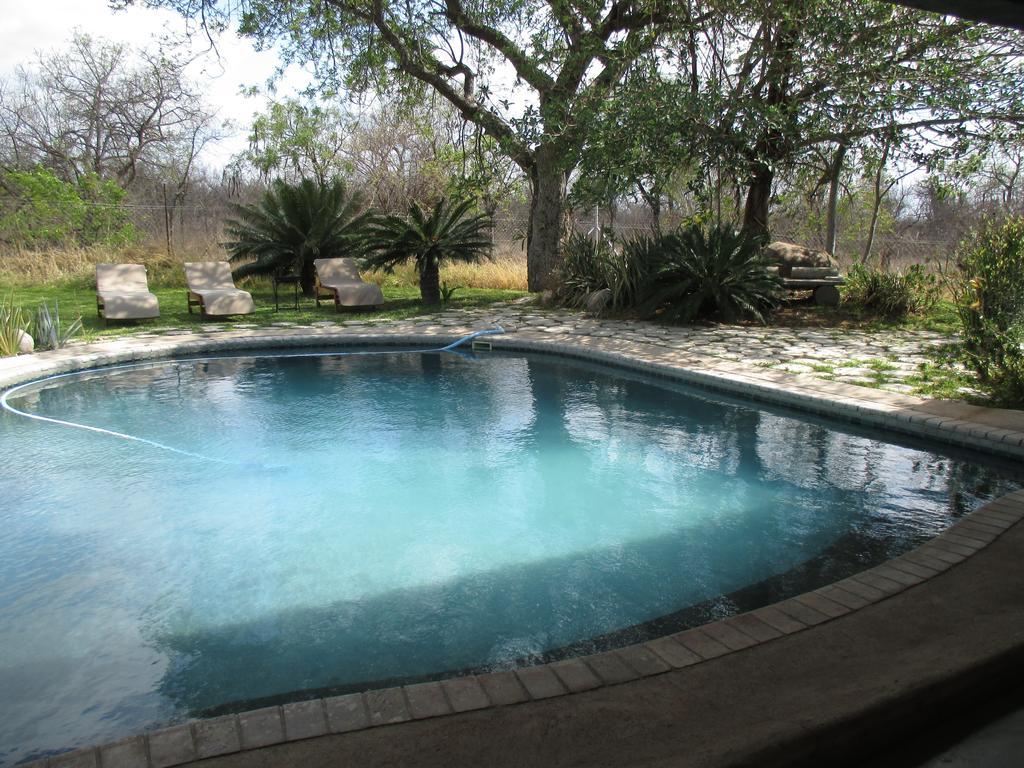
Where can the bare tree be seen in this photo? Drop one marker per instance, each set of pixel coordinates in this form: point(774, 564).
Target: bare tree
point(104, 108)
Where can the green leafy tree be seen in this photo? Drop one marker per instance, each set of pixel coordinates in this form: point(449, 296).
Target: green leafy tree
point(567, 56)
point(38, 209)
point(296, 140)
point(638, 145)
point(294, 224)
point(788, 76)
point(771, 84)
point(448, 232)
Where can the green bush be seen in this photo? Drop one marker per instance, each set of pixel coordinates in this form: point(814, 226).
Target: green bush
point(38, 209)
point(589, 265)
point(892, 295)
point(989, 294)
point(700, 273)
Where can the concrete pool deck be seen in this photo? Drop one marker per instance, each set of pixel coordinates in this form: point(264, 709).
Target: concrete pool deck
point(821, 678)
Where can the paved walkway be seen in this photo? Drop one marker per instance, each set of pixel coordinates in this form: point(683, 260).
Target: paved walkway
point(879, 359)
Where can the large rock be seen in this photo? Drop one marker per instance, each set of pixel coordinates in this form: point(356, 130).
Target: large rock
point(789, 255)
point(25, 343)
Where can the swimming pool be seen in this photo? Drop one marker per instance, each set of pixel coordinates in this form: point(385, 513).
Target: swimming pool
point(352, 521)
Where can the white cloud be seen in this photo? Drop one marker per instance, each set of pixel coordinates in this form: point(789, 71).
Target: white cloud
point(44, 26)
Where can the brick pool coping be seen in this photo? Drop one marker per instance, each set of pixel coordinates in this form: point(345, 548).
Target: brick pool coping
point(997, 432)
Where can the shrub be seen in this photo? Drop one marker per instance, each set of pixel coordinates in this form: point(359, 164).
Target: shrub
point(989, 294)
point(38, 209)
point(589, 265)
point(892, 294)
point(702, 273)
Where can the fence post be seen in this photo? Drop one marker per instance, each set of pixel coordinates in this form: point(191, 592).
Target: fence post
point(167, 221)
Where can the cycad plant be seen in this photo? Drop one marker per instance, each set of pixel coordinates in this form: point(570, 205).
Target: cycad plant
point(718, 272)
point(448, 232)
point(292, 225)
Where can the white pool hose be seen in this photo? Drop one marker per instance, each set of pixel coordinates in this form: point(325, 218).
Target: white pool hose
point(13, 391)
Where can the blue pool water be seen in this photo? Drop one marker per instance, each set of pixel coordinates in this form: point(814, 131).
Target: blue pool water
point(365, 520)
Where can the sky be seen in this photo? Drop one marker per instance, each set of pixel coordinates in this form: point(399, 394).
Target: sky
point(46, 25)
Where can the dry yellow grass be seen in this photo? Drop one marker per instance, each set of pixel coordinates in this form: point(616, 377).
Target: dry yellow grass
point(24, 267)
point(507, 271)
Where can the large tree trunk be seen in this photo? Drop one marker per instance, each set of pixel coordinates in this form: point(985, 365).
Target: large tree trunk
point(430, 282)
point(759, 192)
point(543, 243)
point(835, 172)
point(876, 204)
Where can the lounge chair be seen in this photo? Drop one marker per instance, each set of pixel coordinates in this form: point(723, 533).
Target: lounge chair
point(122, 293)
point(212, 289)
point(338, 280)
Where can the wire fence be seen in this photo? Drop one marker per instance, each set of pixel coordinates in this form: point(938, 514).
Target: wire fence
point(197, 231)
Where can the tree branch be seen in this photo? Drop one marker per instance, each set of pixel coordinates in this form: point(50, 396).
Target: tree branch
point(565, 15)
point(433, 76)
point(852, 135)
point(526, 69)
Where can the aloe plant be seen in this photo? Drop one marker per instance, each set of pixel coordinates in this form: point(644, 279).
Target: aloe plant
point(589, 266)
point(448, 291)
point(13, 322)
point(47, 329)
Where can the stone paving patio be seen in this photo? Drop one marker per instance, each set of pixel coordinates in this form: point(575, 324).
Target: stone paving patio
point(879, 359)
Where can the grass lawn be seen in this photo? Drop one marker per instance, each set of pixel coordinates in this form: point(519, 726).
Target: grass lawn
point(78, 298)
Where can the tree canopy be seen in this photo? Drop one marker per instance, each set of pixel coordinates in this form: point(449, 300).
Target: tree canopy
point(635, 90)
point(766, 83)
point(564, 58)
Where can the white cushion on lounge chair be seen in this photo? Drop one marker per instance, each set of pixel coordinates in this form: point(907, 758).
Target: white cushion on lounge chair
point(342, 277)
point(211, 281)
point(124, 292)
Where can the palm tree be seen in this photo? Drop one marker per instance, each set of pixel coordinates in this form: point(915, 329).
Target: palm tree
point(292, 225)
point(449, 232)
